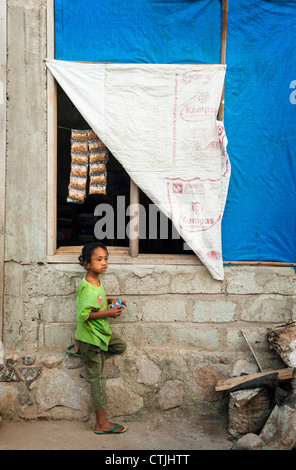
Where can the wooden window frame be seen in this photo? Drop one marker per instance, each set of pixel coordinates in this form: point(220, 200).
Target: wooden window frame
point(69, 254)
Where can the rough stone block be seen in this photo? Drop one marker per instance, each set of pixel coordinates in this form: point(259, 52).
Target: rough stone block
point(121, 399)
point(9, 375)
point(279, 432)
point(248, 442)
point(206, 375)
point(30, 374)
point(171, 395)
point(8, 400)
point(57, 388)
point(179, 364)
point(148, 372)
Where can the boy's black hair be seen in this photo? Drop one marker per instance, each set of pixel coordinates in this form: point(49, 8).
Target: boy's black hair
point(88, 250)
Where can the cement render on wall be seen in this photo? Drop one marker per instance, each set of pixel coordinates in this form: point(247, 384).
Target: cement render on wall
point(26, 162)
point(183, 328)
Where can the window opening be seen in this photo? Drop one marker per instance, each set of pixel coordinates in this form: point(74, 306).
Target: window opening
point(157, 233)
point(76, 222)
point(106, 216)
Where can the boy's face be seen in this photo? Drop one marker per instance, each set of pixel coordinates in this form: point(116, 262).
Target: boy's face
point(99, 261)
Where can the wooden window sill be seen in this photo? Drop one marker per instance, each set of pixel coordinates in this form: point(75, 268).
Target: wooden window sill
point(121, 255)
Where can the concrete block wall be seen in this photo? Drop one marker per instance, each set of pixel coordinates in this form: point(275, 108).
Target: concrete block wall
point(183, 331)
point(182, 304)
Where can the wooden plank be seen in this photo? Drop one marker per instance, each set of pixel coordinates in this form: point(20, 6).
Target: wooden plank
point(252, 351)
point(68, 255)
point(226, 384)
point(134, 235)
point(51, 138)
point(224, 31)
point(141, 259)
point(77, 249)
point(258, 263)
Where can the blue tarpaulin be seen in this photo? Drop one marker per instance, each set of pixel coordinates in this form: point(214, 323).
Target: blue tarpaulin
point(138, 31)
point(259, 222)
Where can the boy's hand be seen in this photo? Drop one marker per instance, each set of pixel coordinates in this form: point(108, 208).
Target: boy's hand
point(114, 312)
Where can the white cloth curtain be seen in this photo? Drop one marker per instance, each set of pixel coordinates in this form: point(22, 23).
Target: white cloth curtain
point(160, 122)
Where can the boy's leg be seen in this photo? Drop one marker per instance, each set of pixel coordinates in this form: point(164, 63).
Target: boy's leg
point(116, 346)
point(93, 361)
point(76, 345)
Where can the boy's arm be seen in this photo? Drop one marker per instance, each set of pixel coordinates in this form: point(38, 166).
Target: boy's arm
point(112, 313)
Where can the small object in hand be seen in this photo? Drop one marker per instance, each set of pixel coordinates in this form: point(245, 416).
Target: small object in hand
point(116, 303)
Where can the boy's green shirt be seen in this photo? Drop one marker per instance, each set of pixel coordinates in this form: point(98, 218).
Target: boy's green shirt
point(92, 299)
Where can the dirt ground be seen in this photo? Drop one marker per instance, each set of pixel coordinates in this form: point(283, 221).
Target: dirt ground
point(198, 433)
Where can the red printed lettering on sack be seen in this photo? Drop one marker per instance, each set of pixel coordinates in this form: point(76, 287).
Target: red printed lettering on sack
point(191, 112)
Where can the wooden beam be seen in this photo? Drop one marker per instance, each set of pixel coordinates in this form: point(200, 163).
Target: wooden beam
point(223, 53)
point(135, 221)
point(252, 351)
point(226, 384)
point(51, 138)
point(258, 263)
point(69, 255)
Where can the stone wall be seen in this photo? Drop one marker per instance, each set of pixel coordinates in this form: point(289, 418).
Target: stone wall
point(183, 331)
